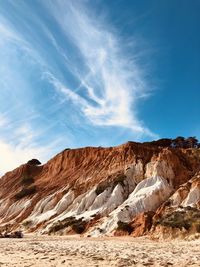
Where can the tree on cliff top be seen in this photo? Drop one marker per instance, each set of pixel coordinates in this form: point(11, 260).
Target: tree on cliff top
point(192, 141)
point(178, 142)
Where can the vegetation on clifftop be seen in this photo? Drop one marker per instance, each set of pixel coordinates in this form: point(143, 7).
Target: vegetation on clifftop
point(178, 142)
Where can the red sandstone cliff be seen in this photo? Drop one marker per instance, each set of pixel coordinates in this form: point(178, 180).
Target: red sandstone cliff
point(98, 189)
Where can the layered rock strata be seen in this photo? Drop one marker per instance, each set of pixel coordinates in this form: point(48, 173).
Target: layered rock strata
point(95, 191)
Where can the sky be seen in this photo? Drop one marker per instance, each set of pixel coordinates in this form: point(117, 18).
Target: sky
point(96, 73)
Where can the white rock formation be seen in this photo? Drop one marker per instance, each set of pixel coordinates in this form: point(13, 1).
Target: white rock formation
point(134, 174)
point(148, 195)
point(160, 168)
point(111, 204)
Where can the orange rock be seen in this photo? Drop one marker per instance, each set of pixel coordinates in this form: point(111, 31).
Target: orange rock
point(81, 170)
point(142, 223)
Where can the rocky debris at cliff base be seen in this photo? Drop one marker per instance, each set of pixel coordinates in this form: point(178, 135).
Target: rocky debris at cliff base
point(16, 234)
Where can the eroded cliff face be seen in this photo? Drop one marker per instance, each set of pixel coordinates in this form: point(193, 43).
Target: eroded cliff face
point(179, 216)
point(98, 191)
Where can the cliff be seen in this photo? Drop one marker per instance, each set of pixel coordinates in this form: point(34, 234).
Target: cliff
point(97, 191)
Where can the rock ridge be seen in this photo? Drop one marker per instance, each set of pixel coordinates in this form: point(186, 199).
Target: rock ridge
point(95, 190)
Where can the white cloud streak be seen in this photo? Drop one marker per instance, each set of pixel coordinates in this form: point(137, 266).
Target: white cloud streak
point(22, 147)
point(113, 81)
point(110, 82)
point(3, 120)
point(13, 155)
point(17, 136)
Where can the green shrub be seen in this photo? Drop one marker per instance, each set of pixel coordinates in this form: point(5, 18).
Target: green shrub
point(100, 188)
point(27, 223)
point(186, 218)
point(120, 179)
point(77, 225)
point(26, 192)
point(124, 227)
point(27, 180)
point(197, 227)
point(56, 227)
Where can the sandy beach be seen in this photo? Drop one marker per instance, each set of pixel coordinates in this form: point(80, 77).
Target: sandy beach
point(75, 251)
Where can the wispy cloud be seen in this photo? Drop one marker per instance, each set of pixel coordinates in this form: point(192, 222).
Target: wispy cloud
point(3, 121)
point(19, 139)
point(14, 154)
point(57, 70)
point(113, 81)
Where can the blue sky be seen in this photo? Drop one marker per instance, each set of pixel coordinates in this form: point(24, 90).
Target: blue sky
point(96, 73)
